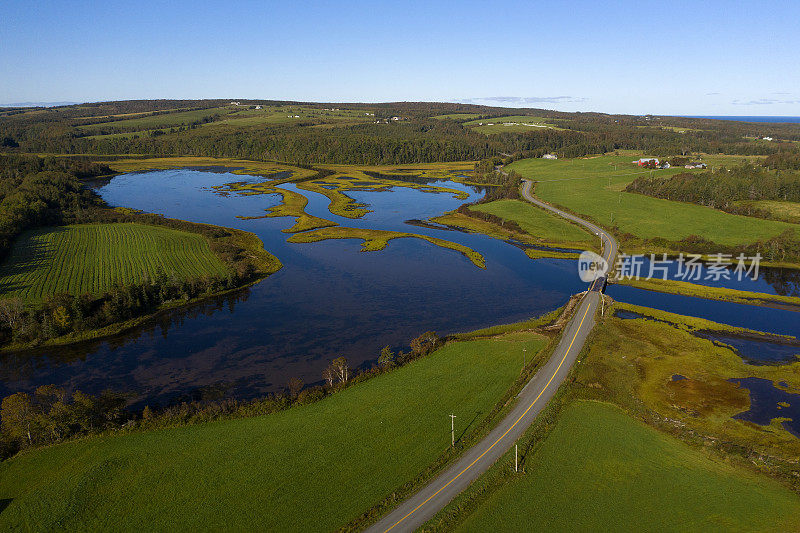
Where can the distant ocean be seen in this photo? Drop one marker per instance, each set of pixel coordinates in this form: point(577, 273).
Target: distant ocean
point(748, 119)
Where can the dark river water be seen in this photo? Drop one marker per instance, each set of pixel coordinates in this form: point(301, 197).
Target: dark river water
point(758, 318)
point(769, 280)
point(330, 299)
point(768, 401)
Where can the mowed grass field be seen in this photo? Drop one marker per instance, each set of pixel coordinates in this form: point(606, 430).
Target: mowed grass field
point(595, 187)
point(599, 468)
point(511, 124)
point(535, 221)
point(457, 116)
point(292, 115)
point(245, 115)
point(310, 468)
point(89, 258)
point(162, 120)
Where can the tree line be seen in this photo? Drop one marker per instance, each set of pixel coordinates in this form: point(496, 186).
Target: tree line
point(42, 192)
point(723, 188)
point(421, 138)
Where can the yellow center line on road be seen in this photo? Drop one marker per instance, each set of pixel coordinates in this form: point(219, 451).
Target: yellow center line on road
point(504, 434)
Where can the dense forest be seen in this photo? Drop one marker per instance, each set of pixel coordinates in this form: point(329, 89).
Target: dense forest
point(38, 191)
point(723, 188)
point(210, 128)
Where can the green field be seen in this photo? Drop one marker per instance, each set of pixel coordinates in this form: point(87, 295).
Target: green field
point(292, 115)
point(535, 221)
point(314, 467)
point(159, 121)
point(457, 116)
point(787, 211)
point(637, 358)
point(89, 258)
point(245, 115)
point(511, 124)
point(599, 468)
point(594, 187)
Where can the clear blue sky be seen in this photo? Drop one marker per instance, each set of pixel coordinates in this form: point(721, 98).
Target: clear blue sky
point(710, 58)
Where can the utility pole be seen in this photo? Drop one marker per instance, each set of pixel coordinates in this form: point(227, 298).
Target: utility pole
point(523, 357)
point(516, 459)
point(452, 430)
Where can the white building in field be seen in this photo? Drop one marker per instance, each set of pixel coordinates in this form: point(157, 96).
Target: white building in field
point(549, 156)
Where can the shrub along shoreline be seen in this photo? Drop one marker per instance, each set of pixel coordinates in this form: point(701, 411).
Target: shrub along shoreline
point(50, 415)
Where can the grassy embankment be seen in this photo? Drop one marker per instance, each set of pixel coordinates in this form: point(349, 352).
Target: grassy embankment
point(293, 203)
point(540, 228)
point(335, 187)
point(346, 178)
point(237, 166)
point(90, 258)
point(610, 467)
point(316, 467)
point(594, 188)
point(378, 239)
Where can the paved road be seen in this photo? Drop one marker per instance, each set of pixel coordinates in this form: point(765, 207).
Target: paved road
point(423, 505)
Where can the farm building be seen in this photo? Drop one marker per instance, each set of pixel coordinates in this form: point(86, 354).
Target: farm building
point(549, 156)
point(695, 164)
point(645, 160)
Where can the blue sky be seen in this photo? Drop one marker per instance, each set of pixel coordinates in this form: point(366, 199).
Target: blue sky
point(708, 58)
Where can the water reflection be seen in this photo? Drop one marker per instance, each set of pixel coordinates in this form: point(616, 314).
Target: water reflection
point(754, 349)
point(330, 299)
point(768, 402)
point(767, 319)
point(770, 280)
